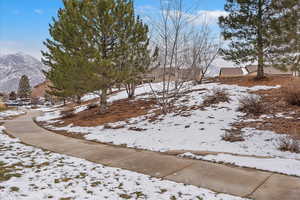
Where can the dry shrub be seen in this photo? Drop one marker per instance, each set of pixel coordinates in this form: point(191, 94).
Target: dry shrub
point(219, 95)
point(291, 93)
point(233, 135)
point(67, 113)
point(3, 107)
point(251, 104)
point(287, 143)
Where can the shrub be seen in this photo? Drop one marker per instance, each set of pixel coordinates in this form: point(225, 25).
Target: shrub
point(291, 94)
point(287, 143)
point(219, 95)
point(251, 104)
point(233, 135)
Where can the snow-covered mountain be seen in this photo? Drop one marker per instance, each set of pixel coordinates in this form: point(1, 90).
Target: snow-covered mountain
point(13, 66)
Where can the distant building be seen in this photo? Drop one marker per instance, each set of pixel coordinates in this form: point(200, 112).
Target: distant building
point(39, 91)
point(172, 74)
point(231, 72)
point(268, 70)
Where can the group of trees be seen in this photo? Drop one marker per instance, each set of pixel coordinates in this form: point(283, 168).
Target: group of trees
point(24, 89)
point(263, 31)
point(96, 44)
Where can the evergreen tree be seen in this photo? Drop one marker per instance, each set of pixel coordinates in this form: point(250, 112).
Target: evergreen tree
point(89, 40)
point(114, 35)
point(66, 56)
point(246, 27)
point(12, 96)
point(285, 32)
point(24, 90)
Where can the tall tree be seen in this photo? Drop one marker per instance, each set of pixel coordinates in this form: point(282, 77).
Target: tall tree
point(66, 56)
point(134, 57)
point(12, 96)
point(246, 27)
point(24, 90)
point(88, 45)
point(285, 32)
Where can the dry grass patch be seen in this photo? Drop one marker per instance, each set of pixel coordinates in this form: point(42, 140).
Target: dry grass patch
point(287, 143)
point(291, 93)
point(251, 105)
point(219, 95)
point(233, 135)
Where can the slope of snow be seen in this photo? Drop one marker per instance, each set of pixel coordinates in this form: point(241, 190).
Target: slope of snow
point(13, 66)
point(201, 131)
point(39, 174)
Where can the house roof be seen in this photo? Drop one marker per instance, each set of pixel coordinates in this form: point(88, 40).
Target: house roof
point(231, 71)
point(267, 70)
point(40, 89)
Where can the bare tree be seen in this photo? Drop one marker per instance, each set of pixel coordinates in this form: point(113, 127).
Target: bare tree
point(182, 46)
point(169, 38)
point(201, 51)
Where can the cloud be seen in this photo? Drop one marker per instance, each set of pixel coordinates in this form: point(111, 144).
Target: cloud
point(38, 11)
point(207, 16)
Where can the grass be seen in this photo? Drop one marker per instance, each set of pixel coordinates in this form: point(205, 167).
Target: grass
point(7, 172)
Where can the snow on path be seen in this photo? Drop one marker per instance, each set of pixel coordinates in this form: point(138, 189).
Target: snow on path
point(38, 174)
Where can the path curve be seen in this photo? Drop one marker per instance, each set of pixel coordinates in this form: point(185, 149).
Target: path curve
point(237, 181)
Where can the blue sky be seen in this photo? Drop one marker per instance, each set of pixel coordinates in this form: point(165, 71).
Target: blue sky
point(24, 23)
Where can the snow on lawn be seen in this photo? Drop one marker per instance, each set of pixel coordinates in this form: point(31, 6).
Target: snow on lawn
point(10, 113)
point(279, 165)
point(201, 131)
point(30, 173)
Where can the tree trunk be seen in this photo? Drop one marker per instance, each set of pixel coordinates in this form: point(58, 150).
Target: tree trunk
point(130, 89)
point(103, 101)
point(260, 45)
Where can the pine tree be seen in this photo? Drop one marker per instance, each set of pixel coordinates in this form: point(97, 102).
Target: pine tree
point(89, 40)
point(285, 32)
point(12, 96)
point(115, 35)
point(24, 90)
point(246, 27)
point(66, 55)
point(134, 56)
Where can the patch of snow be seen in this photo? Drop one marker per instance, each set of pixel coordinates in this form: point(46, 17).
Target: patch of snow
point(11, 113)
point(279, 165)
point(45, 175)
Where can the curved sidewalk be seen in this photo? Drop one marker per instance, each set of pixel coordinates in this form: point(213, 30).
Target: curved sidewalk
point(237, 181)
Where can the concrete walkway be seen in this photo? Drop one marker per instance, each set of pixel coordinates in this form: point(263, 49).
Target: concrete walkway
point(237, 181)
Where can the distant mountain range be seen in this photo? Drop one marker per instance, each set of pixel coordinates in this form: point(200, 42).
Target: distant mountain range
point(13, 66)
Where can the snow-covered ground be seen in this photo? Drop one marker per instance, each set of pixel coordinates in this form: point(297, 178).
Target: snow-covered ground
point(36, 174)
point(201, 131)
point(10, 113)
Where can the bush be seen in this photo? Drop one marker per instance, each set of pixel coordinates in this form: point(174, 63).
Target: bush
point(219, 95)
point(233, 135)
point(291, 94)
point(251, 104)
point(287, 143)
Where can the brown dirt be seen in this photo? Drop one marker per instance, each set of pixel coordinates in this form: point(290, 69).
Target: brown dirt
point(275, 104)
point(120, 110)
point(249, 81)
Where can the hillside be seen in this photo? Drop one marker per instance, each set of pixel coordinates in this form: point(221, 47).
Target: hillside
point(13, 66)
